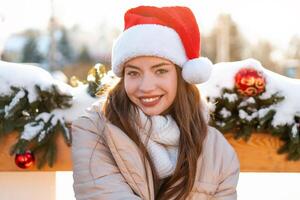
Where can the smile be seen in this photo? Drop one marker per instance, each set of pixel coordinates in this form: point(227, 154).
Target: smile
point(150, 101)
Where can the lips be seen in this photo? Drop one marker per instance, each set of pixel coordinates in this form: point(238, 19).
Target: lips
point(150, 100)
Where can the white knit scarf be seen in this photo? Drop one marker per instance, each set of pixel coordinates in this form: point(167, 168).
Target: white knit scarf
point(162, 145)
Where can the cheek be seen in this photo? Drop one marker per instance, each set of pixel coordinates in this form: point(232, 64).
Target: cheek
point(130, 86)
point(172, 91)
point(172, 85)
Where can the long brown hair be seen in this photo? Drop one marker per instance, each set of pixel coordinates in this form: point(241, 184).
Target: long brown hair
point(187, 111)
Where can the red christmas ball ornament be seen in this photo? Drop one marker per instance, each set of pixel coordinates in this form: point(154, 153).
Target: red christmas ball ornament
point(24, 160)
point(250, 82)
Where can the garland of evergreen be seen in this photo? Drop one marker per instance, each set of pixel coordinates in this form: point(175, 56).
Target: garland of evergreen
point(36, 120)
point(243, 115)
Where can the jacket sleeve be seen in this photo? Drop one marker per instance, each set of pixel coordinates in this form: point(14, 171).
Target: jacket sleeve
point(229, 174)
point(95, 173)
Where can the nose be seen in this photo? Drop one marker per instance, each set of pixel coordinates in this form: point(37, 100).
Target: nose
point(147, 84)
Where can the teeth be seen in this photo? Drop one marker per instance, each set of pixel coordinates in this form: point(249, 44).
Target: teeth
point(149, 99)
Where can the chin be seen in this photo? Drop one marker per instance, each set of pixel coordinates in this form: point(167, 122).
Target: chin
point(152, 111)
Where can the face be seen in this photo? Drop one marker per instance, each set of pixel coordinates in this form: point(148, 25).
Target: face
point(150, 83)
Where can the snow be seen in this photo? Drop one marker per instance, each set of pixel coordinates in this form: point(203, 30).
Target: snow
point(59, 75)
point(231, 97)
point(295, 131)
point(221, 124)
point(110, 79)
point(31, 130)
point(36, 128)
point(223, 77)
point(27, 76)
point(263, 111)
point(210, 106)
point(81, 100)
point(225, 113)
point(246, 102)
point(246, 116)
point(13, 103)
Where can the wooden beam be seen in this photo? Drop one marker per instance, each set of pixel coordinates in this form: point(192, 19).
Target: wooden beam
point(259, 154)
point(7, 162)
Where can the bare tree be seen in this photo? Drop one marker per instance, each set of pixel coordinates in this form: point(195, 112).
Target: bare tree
point(262, 51)
point(225, 42)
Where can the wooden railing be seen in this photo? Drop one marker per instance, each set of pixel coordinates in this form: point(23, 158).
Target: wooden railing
point(7, 162)
point(259, 154)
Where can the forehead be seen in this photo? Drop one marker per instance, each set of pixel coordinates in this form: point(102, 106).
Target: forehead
point(146, 61)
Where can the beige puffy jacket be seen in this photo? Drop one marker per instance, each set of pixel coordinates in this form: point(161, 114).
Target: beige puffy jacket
point(108, 165)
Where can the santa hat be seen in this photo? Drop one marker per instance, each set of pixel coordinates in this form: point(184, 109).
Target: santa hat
point(167, 32)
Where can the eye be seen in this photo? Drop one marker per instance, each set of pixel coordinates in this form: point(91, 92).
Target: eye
point(161, 71)
point(132, 73)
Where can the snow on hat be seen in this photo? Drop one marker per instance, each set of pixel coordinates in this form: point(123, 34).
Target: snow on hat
point(167, 32)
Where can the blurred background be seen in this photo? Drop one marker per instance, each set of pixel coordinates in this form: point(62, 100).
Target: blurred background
point(72, 36)
point(68, 38)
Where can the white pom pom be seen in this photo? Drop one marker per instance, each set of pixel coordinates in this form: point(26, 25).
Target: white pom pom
point(197, 70)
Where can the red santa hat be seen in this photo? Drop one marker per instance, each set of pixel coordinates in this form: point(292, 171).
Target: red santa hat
point(167, 32)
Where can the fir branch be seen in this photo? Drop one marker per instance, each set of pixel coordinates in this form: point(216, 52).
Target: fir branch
point(254, 114)
point(16, 113)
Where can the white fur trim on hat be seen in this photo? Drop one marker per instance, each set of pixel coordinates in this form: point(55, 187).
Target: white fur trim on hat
point(147, 40)
point(197, 70)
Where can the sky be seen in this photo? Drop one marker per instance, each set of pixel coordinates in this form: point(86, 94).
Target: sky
point(257, 19)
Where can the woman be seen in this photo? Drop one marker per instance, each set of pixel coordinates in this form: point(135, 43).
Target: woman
point(150, 139)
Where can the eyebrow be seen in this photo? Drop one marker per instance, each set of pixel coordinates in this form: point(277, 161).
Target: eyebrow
point(154, 66)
